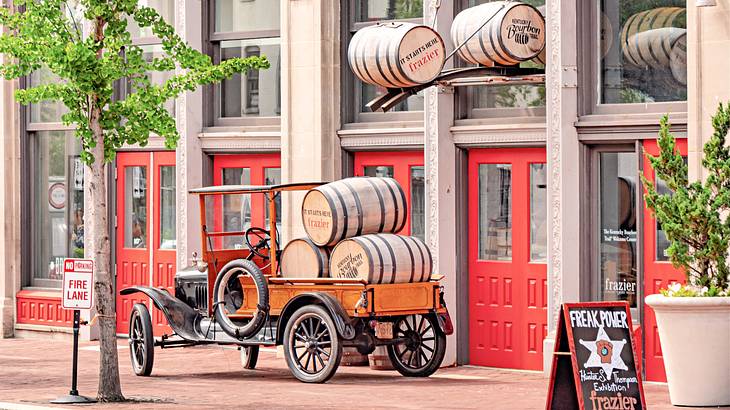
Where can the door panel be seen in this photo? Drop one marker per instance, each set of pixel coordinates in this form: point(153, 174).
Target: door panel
point(146, 230)
point(658, 272)
point(133, 225)
point(507, 252)
point(407, 168)
point(165, 235)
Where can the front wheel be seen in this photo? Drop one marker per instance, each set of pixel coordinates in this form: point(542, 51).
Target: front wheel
point(311, 345)
point(141, 340)
point(423, 350)
point(249, 357)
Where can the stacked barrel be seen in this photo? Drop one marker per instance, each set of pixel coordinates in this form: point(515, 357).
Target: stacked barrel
point(350, 226)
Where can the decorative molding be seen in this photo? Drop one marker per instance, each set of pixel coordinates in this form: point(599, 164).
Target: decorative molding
point(181, 159)
point(470, 136)
point(554, 119)
point(432, 180)
point(240, 141)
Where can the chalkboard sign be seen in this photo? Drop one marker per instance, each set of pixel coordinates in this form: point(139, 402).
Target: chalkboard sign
point(594, 365)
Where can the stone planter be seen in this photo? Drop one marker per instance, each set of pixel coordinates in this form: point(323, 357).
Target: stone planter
point(695, 337)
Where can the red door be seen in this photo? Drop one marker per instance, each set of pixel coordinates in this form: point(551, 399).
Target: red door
point(145, 229)
point(407, 168)
point(507, 257)
point(658, 271)
point(240, 212)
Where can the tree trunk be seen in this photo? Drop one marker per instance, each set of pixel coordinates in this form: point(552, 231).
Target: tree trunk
point(109, 386)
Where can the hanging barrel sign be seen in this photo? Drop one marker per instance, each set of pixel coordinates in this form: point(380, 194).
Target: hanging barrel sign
point(351, 207)
point(515, 33)
point(396, 55)
point(382, 258)
point(302, 258)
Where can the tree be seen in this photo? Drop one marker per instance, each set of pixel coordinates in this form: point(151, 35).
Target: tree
point(695, 215)
point(90, 54)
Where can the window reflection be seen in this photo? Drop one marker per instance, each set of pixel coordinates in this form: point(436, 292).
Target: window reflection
point(57, 226)
point(246, 15)
point(167, 208)
point(538, 213)
point(273, 177)
point(495, 212)
point(385, 171)
point(254, 92)
point(236, 208)
point(643, 51)
point(617, 227)
point(418, 202)
point(376, 10)
point(135, 207)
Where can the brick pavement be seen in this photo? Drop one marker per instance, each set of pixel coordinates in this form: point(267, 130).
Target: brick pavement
point(32, 372)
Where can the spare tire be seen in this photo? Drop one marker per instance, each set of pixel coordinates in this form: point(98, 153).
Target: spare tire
point(224, 298)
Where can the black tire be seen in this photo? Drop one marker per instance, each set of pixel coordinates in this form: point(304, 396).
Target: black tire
point(424, 351)
point(249, 357)
point(141, 340)
point(224, 302)
point(311, 338)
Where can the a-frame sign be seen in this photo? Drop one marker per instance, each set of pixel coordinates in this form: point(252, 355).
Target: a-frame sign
point(594, 366)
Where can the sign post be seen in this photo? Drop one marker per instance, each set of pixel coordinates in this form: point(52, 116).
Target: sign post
point(78, 293)
point(594, 364)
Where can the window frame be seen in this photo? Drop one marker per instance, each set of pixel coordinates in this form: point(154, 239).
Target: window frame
point(351, 91)
point(589, 58)
point(214, 40)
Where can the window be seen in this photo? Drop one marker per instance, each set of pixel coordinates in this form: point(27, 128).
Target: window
point(246, 29)
point(643, 51)
point(501, 100)
point(57, 205)
point(363, 13)
point(495, 212)
point(538, 213)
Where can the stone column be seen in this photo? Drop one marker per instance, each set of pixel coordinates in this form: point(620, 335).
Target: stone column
point(563, 158)
point(310, 100)
point(9, 207)
point(440, 156)
point(189, 154)
point(707, 81)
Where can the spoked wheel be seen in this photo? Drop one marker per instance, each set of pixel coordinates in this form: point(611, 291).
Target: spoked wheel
point(311, 345)
point(249, 357)
point(423, 350)
point(141, 340)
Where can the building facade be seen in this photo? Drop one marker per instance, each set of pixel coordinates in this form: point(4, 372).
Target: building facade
point(528, 195)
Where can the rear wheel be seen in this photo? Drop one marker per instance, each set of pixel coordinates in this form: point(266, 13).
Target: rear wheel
point(423, 350)
point(141, 340)
point(249, 357)
point(311, 345)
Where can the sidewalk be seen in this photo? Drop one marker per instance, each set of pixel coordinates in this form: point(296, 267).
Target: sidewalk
point(32, 372)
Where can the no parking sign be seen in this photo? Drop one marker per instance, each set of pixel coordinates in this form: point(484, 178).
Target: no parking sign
point(78, 282)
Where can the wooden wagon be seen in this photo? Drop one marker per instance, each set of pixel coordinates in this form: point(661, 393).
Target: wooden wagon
point(234, 294)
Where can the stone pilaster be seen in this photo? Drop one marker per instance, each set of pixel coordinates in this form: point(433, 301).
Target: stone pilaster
point(563, 158)
point(188, 156)
point(439, 155)
point(9, 207)
point(310, 96)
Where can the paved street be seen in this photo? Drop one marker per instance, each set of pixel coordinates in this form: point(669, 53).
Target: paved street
point(32, 372)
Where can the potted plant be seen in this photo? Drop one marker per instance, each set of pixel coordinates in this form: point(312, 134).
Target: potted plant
point(694, 318)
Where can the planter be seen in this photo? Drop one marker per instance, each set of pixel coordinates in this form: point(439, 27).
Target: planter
point(695, 336)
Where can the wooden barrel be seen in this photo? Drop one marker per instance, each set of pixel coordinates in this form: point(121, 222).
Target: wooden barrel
point(516, 33)
point(659, 17)
point(542, 57)
point(678, 60)
point(653, 48)
point(351, 357)
point(302, 258)
point(379, 359)
point(382, 258)
point(397, 54)
point(353, 206)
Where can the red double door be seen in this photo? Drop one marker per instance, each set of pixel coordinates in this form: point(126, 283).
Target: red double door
point(658, 270)
point(145, 230)
point(507, 218)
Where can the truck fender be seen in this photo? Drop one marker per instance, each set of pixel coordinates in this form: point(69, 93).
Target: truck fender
point(342, 320)
point(181, 317)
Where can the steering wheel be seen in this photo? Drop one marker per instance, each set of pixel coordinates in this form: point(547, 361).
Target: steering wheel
point(264, 239)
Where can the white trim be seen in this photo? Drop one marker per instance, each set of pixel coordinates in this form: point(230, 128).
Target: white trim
point(499, 134)
point(43, 328)
point(381, 138)
point(240, 141)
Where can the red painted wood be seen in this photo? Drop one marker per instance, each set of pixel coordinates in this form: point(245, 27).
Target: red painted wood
point(257, 165)
point(164, 266)
point(507, 299)
point(402, 162)
point(132, 263)
point(657, 275)
point(34, 307)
